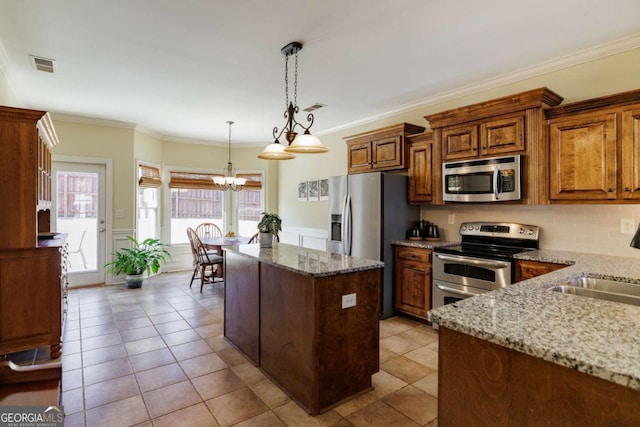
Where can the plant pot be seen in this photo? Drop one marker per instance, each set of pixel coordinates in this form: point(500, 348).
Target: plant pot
point(134, 280)
point(266, 240)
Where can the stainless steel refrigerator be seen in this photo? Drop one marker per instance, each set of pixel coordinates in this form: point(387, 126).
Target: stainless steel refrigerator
point(367, 212)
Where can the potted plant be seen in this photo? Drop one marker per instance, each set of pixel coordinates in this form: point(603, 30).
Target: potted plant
point(269, 225)
point(147, 255)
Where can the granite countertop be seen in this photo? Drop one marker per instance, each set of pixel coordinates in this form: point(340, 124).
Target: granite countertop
point(424, 244)
point(310, 262)
point(593, 336)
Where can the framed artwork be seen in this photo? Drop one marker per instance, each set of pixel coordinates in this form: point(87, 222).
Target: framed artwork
point(302, 191)
point(324, 189)
point(312, 187)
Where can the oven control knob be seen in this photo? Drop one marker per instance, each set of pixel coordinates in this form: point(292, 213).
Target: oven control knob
point(477, 228)
point(521, 231)
point(463, 228)
point(530, 232)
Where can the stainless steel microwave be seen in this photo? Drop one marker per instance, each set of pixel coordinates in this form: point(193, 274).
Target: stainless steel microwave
point(495, 179)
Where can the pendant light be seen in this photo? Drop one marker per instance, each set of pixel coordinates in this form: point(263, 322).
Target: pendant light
point(229, 181)
point(305, 143)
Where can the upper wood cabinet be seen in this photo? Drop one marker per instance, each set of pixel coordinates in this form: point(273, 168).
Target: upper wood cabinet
point(26, 137)
point(421, 160)
point(594, 150)
point(513, 124)
point(380, 149)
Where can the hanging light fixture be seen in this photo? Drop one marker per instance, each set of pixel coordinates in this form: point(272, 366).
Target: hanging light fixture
point(229, 180)
point(305, 143)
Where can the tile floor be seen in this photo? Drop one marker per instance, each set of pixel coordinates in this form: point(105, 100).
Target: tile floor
point(156, 356)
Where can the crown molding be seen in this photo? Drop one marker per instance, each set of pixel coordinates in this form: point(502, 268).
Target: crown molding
point(95, 121)
point(586, 55)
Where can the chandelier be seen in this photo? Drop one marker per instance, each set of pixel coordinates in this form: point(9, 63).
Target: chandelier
point(305, 143)
point(229, 181)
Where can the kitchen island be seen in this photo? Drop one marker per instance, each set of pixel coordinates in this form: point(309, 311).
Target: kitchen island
point(525, 355)
point(308, 319)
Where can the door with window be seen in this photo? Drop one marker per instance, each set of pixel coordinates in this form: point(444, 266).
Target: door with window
point(79, 204)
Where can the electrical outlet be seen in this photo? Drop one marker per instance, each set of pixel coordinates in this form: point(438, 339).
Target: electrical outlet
point(348, 300)
point(627, 226)
point(452, 219)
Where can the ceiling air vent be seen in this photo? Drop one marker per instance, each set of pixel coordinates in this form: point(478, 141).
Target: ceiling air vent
point(42, 64)
point(314, 107)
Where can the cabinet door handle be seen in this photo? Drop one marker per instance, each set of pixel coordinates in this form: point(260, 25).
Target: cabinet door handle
point(627, 189)
point(610, 190)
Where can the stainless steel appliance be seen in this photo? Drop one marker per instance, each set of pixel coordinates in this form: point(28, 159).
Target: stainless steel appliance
point(366, 213)
point(482, 262)
point(494, 179)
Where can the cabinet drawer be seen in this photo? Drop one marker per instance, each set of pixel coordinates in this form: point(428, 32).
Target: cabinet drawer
point(414, 254)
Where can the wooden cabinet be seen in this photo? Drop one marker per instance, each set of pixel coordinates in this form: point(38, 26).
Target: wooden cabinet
point(513, 124)
point(502, 135)
point(594, 153)
point(413, 281)
point(526, 269)
point(497, 386)
point(421, 168)
point(32, 273)
point(380, 149)
point(25, 139)
point(295, 327)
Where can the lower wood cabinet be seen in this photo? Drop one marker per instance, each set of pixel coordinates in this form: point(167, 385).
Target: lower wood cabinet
point(413, 281)
point(529, 269)
point(31, 299)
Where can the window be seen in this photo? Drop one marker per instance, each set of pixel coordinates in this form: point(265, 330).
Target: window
point(149, 184)
point(194, 200)
point(250, 204)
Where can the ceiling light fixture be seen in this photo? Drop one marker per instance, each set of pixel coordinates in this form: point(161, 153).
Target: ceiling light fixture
point(229, 181)
point(305, 143)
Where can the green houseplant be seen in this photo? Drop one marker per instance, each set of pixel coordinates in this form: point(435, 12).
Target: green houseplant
point(269, 226)
point(146, 256)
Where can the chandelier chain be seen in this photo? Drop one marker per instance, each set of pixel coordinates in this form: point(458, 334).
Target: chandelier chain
point(295, 84)
point(286, 80)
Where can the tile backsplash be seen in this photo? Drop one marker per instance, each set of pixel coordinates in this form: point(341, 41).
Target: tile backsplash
point(576, 228)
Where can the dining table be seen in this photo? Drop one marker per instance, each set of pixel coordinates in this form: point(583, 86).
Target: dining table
point(216, 244)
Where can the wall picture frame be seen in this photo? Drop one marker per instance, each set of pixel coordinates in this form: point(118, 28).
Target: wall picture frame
point(312, 190)
point(324, 189)
point(302, 191)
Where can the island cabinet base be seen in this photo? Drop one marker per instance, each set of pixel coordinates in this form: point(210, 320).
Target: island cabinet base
point(481, 383)
point(293, 327)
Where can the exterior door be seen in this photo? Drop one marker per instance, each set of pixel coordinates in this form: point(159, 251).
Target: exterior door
point(79, 204)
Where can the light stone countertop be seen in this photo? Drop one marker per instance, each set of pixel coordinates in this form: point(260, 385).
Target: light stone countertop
point(424, 244)
point(598, 337)
point(309, 262)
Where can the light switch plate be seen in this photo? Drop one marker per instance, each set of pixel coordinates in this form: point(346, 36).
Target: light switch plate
point(451, 219)
point(348, 300)
point(627, 226)
point(119, 213)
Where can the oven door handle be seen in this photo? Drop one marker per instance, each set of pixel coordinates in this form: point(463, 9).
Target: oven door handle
point(458, 291)
point(475, 261)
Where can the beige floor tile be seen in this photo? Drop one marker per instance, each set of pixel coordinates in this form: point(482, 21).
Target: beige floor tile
point(101, 355)
point(191, 349)
point(71, 379)
point(211, 330)
point(398, 344)
point(428, 384)
point(73, 401)
point(236, 406)
point(203, 365)
point(248, 373)
point(151, 359)
point(294, 416)
point(384, 383)
point(171, 398)
point(174, 326)
point(266, 419)
point(414, 403)
point(421, 335)
point(161, 376)
point(218, 343)
point(424, 356)
point(144, 345)
point(138, 333)
point(232, 356)
point(380, 415)
point(110, 391)
point(217, 383)
point(406, 369)
point(73, 420)
point(180, 337)
point(134, 323)
point(395, 325)
point(124, 412)
point(357, 403)
point(106, 371)
point(270, 393)
point(193, 416)
point(170, 316)
point(386, 354)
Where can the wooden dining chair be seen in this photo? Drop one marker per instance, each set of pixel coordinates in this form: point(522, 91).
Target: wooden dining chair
point(208, 229)
point(256, 239)
point(202, 259)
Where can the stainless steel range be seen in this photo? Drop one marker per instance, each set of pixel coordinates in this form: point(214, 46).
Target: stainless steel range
point(482, 262)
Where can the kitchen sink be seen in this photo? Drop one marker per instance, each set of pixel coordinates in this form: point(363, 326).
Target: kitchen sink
point(610, 290)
